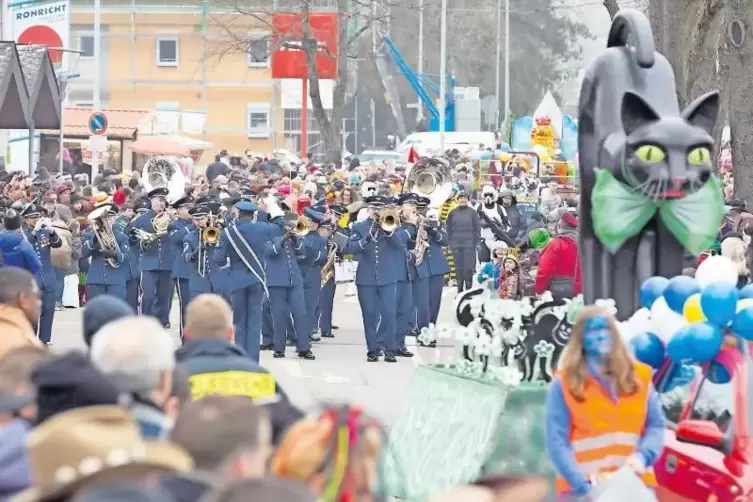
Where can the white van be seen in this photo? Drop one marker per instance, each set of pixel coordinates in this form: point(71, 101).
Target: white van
point(428, 142)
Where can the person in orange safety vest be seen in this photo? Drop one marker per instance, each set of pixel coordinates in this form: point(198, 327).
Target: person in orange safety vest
point(602, 410)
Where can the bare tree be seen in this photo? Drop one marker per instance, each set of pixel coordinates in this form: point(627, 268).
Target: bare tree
point(355, 17)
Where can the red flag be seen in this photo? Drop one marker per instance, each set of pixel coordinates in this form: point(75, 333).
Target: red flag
point(412, 156)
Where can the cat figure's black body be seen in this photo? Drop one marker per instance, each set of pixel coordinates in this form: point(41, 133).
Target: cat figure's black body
point(628, 100)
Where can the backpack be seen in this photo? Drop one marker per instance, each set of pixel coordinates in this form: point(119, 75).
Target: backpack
point(62, 257)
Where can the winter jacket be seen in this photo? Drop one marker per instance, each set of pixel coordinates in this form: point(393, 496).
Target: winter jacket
point(214, 365)
point(18, 252)
point(518, 229)
point(16, 330)
point(14, 467)
point(550, 205)
point(463, 228)
point(489, 271)
point(188, 487)
point(67, 255)
point(64, 212)
point(560, 258)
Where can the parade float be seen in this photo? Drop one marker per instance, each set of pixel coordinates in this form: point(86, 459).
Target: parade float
point(634, 232)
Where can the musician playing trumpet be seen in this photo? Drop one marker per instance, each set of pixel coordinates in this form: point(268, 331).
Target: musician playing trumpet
point(199, 254)
point(107, 247)
point(311, 261)
point(379, 251)
point(150, 231)
point(181, 270)
point(43, 237)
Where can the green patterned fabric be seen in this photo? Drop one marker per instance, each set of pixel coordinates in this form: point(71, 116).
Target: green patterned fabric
point(521, 449)
point(447, 427)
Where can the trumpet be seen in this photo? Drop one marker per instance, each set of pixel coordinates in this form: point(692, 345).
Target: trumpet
point(388, 220)
point(299, 227)
point(210, 236)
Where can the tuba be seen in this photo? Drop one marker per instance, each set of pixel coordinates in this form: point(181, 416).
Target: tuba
point(162, 172)
point(430, 177)
point(104, 233)
point(389, 220)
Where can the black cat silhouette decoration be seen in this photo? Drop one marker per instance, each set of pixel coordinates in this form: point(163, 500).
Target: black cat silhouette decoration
point(648, 191)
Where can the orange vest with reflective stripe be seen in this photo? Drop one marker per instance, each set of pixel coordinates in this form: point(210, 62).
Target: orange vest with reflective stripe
point(603, 432)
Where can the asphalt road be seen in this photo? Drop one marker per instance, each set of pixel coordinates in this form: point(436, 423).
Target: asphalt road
point(340, 372)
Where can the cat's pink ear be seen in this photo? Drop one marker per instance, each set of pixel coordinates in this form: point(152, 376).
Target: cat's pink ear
point(636, 113)
point(703, 111)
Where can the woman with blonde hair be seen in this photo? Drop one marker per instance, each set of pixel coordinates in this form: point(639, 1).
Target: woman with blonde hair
point(602, 411)
point(733, 247)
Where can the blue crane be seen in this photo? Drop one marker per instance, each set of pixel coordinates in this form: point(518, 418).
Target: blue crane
point(423, 84)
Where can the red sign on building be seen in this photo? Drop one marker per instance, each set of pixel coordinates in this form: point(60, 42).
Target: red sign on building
point(289, 60)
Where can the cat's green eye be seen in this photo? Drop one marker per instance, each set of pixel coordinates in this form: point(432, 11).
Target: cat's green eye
point(650, 154)
point(699, 156)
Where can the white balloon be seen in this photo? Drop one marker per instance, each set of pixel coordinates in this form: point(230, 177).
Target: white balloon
point(716, 269)
point(640, 322)
point(626, 331)
point(745, 302)
point(664, 321)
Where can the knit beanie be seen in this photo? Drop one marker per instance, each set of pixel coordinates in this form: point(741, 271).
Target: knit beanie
point(69, 382)
point(101, 310)
point(568, 220)
point(539, 237)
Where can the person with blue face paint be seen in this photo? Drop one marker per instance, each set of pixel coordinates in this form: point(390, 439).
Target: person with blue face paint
point(602, 410)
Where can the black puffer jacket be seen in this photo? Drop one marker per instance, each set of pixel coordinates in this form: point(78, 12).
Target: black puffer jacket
point(518, 230)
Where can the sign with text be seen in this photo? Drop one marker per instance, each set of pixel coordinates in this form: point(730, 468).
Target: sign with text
point(288, 57)
point(43, 23)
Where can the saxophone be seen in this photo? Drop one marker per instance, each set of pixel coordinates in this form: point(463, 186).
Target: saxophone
point(328, 270)
point(422, 243)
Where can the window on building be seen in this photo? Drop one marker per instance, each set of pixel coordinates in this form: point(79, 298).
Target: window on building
point(258, 120)
point(292, 121)
point(86, 46)
point(167, 51)
point(257, 54)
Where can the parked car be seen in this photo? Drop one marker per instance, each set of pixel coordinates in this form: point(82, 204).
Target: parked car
point(708, 454)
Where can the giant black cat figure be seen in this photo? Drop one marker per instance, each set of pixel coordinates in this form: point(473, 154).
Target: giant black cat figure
point(647, 186)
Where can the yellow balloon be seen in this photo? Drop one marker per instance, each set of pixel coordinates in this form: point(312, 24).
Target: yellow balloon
point(692, 309)
point(544, 157)
point(504, 157)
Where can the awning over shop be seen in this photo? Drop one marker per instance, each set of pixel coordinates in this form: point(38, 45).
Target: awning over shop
point(173, 146)
point(121, 124)
point(42, 86)
point(14, 98)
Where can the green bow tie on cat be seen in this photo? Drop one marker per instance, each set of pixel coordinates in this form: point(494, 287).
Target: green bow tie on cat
point(621, 212)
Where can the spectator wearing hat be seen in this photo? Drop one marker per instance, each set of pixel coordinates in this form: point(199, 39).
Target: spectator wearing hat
point(137, 355)
point(101, 311)
point(90, 448)
point(559, 263)
point(379, 250)
point(17, 414)
point(63, 193)
point(156, 258)
point(179, 229)
point(15, 249)
point(106, 275)
point(43, 238)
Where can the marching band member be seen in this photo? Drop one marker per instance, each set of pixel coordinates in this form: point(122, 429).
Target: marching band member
point(131, 258)
point(285, 287)
point(199, 254)
point(179, 229)
point(108, 249)
point(311, 263)
point(405, 306)
point(378, 252)
point(156, 257)
point(243, 241)
point(435, 259)
point(43, 237)
point(326, 300)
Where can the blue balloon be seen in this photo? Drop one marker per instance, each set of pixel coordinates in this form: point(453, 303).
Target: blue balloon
point(680, 376)
point(719, 302)
point(678, 348)
point(649, 349)
point(678, 290)
point(505, 147)
point(652, 289)
point(704, 341)
point(717, 373)
point(747, 291)
point(742, 325)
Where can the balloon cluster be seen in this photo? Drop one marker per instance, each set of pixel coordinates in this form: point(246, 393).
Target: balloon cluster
point(685, 318)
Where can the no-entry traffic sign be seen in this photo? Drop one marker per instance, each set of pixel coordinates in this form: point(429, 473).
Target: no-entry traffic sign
point(98, 124)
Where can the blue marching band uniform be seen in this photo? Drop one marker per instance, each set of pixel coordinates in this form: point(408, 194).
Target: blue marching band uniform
point(275, 268)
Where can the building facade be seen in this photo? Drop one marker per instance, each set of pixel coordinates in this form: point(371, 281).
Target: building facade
point(205, 72)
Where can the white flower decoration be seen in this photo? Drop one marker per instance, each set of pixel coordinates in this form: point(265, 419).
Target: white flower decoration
point(427, 335)
point(546, 297)
point(483, 345)
point(543, 349)
point(443, 332)
point(466, 335)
